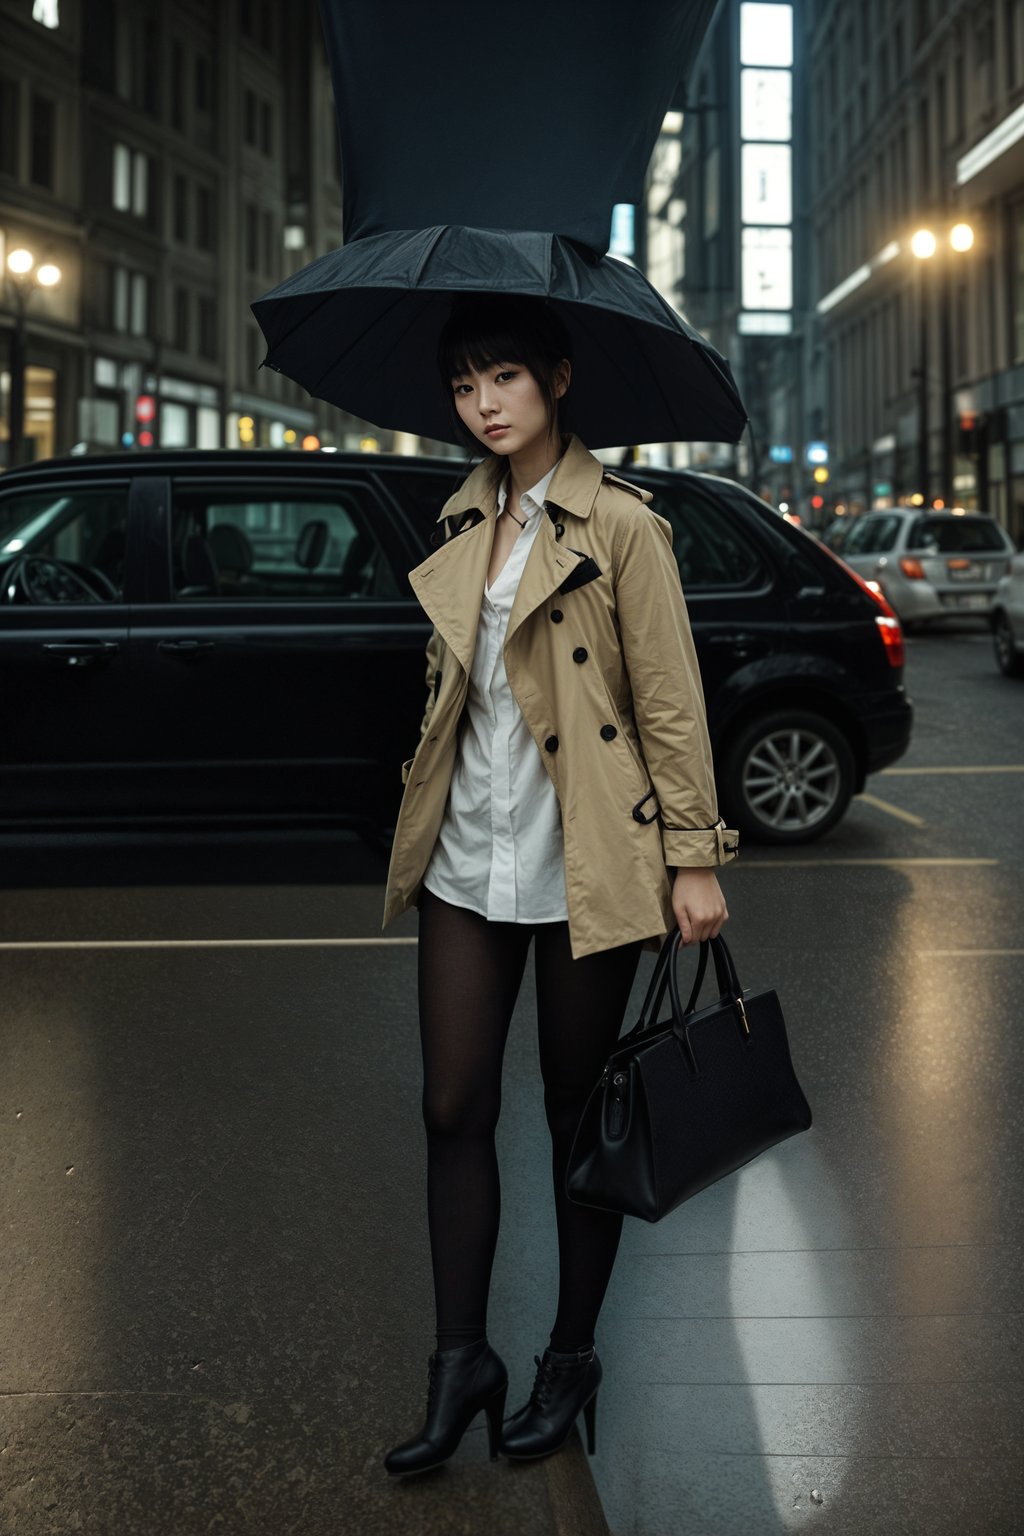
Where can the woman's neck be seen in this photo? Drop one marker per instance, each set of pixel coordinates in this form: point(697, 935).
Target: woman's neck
point(531, 464)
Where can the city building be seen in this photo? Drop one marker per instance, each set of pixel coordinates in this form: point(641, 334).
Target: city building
point(170, 164)
point(815, 143)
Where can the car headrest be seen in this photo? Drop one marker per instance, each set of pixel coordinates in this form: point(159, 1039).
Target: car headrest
point(312, 542)
point(200, 570)
point(230, 548)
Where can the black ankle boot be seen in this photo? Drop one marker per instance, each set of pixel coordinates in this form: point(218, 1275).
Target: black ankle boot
point(460, 1382)
point(563, 1385)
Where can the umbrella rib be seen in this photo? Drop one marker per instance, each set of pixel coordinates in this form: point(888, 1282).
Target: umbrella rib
point(354, 342)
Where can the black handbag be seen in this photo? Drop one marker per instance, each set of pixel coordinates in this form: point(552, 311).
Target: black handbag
point(684, 1102)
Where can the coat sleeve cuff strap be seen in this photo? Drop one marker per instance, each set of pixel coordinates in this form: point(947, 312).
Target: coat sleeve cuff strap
point(699, 847)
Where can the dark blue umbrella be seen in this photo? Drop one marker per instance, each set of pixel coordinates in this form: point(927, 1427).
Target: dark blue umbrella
point(482, 151)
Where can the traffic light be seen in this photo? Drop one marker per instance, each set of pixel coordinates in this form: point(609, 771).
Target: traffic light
point(970, 426)
point(145, 421)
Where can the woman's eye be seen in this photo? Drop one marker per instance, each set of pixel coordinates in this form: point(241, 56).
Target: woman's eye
point(507, 373)
point(460, 386)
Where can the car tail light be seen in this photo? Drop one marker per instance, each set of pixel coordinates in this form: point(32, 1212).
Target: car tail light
point(888, 624)
point(912, 568)
point(958, 565)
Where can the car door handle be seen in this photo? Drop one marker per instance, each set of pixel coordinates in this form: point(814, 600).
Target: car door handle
point(80, 653)
point(740, 644)
point(185, 649)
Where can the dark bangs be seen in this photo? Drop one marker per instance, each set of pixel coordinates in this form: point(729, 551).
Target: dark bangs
point(486, 329)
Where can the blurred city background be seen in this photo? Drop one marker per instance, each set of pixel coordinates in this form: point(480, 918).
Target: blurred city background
point(838, 205)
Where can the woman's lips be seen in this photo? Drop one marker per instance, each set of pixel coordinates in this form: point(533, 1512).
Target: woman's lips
point(495, 431)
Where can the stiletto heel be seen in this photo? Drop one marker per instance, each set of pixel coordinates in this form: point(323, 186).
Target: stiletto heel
point(563, 1385)
point(495, 1410)
point(589, 1410)
point(461, 1381)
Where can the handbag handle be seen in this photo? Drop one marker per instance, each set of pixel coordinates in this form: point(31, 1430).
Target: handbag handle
point(729, 989)
point(665, 965)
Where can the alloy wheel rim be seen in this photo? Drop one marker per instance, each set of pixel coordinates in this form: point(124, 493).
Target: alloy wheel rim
point(791, 779)
point(1002, 639)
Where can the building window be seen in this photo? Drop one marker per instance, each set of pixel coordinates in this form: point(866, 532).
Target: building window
point(203, 98)
point(47, 13)
point(266, 128)
point(44, 115)
point(250, 109)
point(1017, 295)
point(207, 328)
point(181, 319)
point(151, 67)
point(251, 238)
point(204, 219)
point(1011, 42)
point(180, 209)
point(8, 126)
point(140, 304)
point(267, 223)
point(177, 84)
point(131, 180)
point(130, 302)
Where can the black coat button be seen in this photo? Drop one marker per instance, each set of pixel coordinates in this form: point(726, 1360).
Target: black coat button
point(552, 743)
point(580, 653)
point(556, 615)
point(608, 731)
point(559, 530)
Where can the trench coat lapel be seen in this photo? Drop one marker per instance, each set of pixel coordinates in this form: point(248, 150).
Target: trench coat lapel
point(450, 583)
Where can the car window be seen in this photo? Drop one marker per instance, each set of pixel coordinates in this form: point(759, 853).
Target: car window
point(872, 536)
point(956, 535)
point(279, 546)
point(84, 529)
point(711, 547)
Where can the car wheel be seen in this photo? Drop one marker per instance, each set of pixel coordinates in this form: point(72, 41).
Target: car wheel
point(787, 777)
point(1008, 659)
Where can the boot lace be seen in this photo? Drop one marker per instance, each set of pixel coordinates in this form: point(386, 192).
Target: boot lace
point(432, 1380)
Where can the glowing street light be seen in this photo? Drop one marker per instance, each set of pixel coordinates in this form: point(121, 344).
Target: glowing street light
point(21, 281)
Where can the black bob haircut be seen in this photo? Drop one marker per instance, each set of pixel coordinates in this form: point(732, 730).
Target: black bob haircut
point(485, 329)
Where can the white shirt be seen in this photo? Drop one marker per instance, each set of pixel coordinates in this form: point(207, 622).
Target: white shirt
point(499, 850)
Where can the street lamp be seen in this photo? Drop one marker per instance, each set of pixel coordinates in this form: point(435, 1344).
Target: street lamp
point(925, 245)
point(23, 277)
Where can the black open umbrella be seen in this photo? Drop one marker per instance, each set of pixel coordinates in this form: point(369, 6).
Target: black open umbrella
point(482, 151)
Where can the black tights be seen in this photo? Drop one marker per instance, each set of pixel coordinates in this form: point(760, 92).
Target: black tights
point(469, 972)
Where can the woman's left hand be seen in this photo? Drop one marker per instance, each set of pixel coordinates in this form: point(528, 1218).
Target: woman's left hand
point(698, 904)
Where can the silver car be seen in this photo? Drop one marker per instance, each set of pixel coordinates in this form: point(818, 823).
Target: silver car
point(1008, 620)
point(930, 565)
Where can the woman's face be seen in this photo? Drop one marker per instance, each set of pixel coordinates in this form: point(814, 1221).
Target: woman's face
point(503, 406)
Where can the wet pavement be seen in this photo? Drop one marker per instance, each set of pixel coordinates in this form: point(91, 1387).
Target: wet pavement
point(215, 1302)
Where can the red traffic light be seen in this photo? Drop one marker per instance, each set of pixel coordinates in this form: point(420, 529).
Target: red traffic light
point(145, 407)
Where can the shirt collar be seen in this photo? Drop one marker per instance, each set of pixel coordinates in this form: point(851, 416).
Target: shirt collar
point(532, 500)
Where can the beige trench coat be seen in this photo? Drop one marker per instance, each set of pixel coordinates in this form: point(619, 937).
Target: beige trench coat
point(601, 662)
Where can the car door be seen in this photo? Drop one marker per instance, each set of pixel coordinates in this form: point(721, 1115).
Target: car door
point(274, 672)
point(65, 751)
point(735, 615)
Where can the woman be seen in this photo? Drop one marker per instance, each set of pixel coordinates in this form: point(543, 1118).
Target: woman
point(562, 791)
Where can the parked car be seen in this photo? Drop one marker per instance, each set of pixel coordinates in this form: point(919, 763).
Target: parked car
point(930, 565)
point(1007, 620)
point(229, 637)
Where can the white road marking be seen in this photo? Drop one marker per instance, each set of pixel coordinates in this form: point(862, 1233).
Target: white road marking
point(191, 943)
point(958, 952)
point(825, 863)
point(893, 810)
point(969, 768)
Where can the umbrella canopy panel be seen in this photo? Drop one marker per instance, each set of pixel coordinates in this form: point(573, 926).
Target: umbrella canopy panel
point(532, 116)
point(359, 327)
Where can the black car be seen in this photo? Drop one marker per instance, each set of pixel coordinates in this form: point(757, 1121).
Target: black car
point(229, 637)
